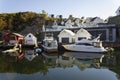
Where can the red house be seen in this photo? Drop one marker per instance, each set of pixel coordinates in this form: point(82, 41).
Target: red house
point(12, 38)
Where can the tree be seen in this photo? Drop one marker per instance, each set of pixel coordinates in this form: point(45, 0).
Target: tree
point(2, 24)
point(44, 15)
point(71, 17)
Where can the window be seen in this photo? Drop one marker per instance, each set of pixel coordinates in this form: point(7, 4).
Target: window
point(29, 35)
point(86, 44)
point(79, 38)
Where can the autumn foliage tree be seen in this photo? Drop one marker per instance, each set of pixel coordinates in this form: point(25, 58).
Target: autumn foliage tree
point(20, 20)
point(2, 24)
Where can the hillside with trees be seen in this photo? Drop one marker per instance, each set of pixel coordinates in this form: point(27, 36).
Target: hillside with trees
point(19, 21)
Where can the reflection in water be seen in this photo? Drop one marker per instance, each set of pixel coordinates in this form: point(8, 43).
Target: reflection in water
point(64, 61)
point(68, 66)
point(30, 54)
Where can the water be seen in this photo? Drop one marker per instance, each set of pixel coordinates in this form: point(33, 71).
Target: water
point(67, 66)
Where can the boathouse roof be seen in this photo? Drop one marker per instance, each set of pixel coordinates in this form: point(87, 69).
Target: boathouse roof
point(83, 33)
point(30, 36)
point(18, 34)
point(69, 32)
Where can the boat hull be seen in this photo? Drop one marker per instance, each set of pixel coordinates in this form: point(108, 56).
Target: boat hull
point(50, 49)
point(89, 49)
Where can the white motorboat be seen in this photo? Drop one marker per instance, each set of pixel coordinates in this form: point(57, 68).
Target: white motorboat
point(86, 45)
point(49, 44)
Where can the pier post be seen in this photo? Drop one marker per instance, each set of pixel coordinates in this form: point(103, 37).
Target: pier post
point(114, 34)
point(107, 35)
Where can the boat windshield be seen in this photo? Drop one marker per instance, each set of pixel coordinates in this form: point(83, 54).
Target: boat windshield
point(87, 44)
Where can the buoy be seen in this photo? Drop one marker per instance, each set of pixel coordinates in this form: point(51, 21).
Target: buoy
point(38, 50)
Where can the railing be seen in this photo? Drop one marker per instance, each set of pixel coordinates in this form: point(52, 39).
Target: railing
point(59, 28)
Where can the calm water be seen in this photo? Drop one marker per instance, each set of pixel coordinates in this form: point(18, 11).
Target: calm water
point(67, 66)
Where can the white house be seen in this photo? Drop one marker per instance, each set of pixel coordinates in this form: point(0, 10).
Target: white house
point(96, 20)
point(118, 11)
point(82, 34)
point(92, 22)
point(69, 23)
point(30, 39)
point(86, 22)
point(66, 36)
point(78, 22)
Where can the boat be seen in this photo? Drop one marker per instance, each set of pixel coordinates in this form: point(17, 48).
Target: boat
point(38, 50)
point(86, 45)
point(49, 44)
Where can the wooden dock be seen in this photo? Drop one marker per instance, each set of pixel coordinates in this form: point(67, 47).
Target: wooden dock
point(111, 44)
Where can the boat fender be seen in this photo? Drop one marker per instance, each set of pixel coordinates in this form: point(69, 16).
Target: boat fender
point(38, 50)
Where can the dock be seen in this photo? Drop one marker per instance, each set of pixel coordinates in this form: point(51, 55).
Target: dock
point(111, 44)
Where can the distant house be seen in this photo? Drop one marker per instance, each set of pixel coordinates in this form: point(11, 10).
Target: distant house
point(69, 23)
point(30, 39)
point(118, 11)
point(13, 38)
point(66, 36)
point(93, 21)
point(78, 23)
point(87, 21)
point(96, 20)
point(82, 34)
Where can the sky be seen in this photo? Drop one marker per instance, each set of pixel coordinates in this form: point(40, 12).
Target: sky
point(77, 8)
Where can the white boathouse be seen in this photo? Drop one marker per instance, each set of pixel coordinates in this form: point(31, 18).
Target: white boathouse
point(82, 34)
point(30, 39)
point(66, 36)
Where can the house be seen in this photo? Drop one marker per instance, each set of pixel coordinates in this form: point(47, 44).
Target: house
point(82, 34)
point(91, 22)
point(118, 11)
point(66, 36)
point(78, 22)
point(30, 39)
point(69, 23)
point(13, 38)
point(87, 21)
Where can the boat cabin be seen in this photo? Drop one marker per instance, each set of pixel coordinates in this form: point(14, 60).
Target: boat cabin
point(49, 43)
